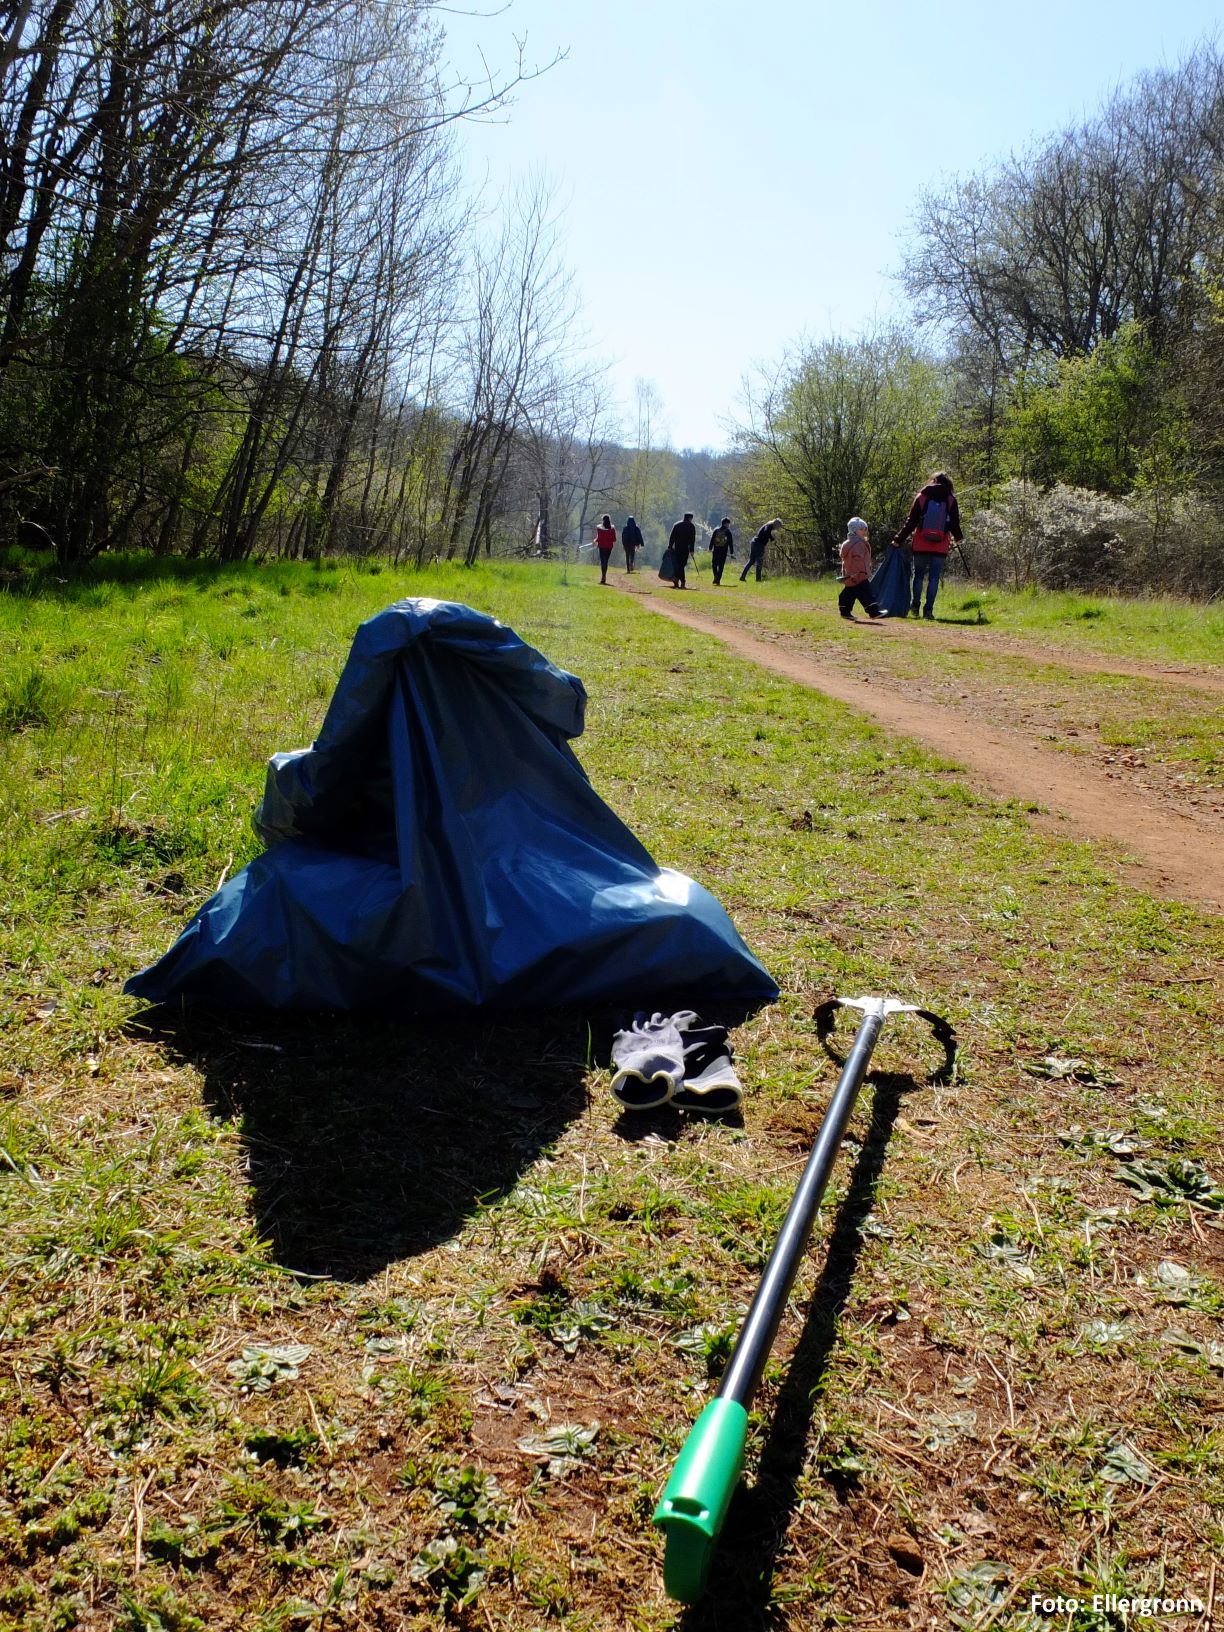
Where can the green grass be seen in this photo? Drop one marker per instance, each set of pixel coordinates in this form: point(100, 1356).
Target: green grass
point(1157, 629)
point(1160, 629)
point(1173, 734)
point(326, 1323)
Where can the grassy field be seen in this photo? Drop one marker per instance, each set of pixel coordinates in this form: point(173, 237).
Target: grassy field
point(328, 1323)
point(1162, 627)
point(1027, 665)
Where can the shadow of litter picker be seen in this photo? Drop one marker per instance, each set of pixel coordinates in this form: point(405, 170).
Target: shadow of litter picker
point(369, 1142)
point(738, 1597)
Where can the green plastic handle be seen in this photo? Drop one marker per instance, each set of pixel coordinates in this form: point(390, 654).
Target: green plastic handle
point(692, 1509)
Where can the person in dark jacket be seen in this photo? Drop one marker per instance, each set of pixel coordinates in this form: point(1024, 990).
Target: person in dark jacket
point(933, 522)
point(631, 538)
point(722, 544)
point(682, 542)
point(756, 550)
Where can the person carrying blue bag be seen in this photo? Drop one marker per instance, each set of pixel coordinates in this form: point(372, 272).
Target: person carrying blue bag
point(933, 522)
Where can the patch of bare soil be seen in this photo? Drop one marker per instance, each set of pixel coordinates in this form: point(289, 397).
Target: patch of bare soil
point(1166, 851)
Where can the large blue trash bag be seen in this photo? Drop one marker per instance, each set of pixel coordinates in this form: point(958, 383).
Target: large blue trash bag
point(440, 846)
point(890, 582)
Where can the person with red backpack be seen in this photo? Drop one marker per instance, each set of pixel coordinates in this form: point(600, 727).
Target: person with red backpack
point(934, 521)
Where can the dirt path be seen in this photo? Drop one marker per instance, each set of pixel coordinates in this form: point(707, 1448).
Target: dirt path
point(1166, 852)
point(971, 638)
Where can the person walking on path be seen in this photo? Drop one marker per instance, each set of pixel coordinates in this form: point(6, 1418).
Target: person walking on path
point(632, 541)
point(682, 542)
point(934, 521)
point(605, 541)
point(756, 550)
point(722, 544)
point(855, 552)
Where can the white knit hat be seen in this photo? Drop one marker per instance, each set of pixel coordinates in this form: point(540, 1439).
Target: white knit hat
point(856, 524)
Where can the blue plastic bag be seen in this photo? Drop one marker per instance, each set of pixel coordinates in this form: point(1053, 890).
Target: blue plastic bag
point(440, 845)
point(890, 582)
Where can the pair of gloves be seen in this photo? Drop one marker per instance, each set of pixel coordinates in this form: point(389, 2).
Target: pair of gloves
point(674, 1059)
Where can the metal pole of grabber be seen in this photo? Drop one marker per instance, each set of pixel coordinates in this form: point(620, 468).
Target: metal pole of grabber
point(694, 1504)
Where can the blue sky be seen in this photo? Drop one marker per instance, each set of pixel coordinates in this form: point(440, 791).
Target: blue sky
point(734, 178)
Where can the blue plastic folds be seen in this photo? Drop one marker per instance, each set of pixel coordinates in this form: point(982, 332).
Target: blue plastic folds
point(890, 582)
point(440, 846)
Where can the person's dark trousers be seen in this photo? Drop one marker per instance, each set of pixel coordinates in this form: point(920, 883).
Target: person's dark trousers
point(757, 561)
point(857, 592)
point(678, 581)
point(604, 557)
point(718, 560)
point(931, 568)
point(629, 555)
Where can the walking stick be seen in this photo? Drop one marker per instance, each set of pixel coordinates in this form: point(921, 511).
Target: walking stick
point(694, 1504)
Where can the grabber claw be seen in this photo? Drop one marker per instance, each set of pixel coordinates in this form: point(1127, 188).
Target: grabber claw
point(945, 1035)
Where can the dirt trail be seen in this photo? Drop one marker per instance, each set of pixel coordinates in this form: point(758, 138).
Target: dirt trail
point(973, 637)
point(1167, 852)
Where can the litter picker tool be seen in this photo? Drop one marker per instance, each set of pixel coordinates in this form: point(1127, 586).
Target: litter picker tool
point(693, 1507)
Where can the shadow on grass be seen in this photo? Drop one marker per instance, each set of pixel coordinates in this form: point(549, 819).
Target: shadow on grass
point(738, 1597)
point(369, 1142)
point(132, 572)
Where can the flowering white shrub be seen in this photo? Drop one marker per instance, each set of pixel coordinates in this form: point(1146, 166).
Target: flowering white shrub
point(1072, 538)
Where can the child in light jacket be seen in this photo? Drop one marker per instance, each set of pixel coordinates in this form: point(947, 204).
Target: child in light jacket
point(855, 552)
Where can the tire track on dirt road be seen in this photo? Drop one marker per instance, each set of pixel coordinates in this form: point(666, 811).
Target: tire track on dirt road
point(1166, 852)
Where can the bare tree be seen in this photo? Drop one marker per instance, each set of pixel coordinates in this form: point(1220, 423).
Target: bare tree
point(514, 349)
point(1099, 225)
point(216, 220)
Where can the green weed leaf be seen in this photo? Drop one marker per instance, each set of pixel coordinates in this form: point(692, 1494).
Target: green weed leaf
point(1172, 1181)
point(1104, 1334)
point(1058, 1068)
point(566, 1446)
point(1001, 1244)
point(1096, 1141)
point(454, 1570)
point(261, 1368)
point(1123, 1465)
point(974, 1589)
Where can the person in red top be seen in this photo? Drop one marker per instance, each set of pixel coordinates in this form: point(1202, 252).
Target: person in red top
point(605, 542)
point(934, 521)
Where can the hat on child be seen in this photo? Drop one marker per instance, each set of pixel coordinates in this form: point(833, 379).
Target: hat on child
point(856, 524)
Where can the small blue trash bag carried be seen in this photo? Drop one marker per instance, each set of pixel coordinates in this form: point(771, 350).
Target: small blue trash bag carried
point(440, 846)
point(890, 582)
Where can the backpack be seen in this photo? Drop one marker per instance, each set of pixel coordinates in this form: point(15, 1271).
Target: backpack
point(934, 522)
